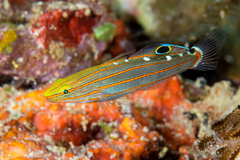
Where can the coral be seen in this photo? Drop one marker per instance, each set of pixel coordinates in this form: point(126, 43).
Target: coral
point(65, 26)
point(224, 142)
point(219, 100)
point(59, 39)
point(151, 128)
point(58, 130)
point(161, 105)
point(134, 145)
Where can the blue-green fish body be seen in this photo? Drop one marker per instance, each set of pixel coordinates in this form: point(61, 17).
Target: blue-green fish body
point(151, 65)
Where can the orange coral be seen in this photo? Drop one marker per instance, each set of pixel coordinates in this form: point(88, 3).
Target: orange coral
point(164, 98)
point(139, 143)
point(68, 126)
point(102, 150)
point(138, 138)
point(61, 125)
point(17, 144)
point(161, 104)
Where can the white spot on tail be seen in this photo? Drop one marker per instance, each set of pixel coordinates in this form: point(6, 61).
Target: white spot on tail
point(168, 58)
point(115, 63)
point(126, 60)
point(180, 54)
point(146, 59)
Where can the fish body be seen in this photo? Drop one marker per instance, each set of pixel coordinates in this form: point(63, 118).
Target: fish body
point(151, 65)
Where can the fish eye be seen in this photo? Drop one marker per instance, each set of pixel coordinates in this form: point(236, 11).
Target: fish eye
point(163, 50)
point(65, 91)
point(191, 51)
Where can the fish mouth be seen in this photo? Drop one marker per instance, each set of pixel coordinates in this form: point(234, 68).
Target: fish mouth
point(49, 97)
point(45, 94)
point(51, 100)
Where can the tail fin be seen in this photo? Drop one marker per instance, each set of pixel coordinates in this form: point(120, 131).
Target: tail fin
point(209, 48)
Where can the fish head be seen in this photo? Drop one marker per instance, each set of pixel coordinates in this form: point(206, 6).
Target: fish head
point(60, 89)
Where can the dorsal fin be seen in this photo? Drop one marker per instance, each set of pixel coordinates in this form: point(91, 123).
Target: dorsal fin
point(147, 49)
point(122, 56)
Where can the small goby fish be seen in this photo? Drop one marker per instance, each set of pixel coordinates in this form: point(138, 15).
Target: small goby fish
point(152, 65)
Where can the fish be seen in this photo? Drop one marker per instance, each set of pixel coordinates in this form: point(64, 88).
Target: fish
point(151, 66)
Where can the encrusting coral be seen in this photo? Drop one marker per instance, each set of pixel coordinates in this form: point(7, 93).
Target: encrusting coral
point(58, 39)
point(152, 128)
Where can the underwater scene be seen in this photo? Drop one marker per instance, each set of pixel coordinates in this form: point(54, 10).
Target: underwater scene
point(120, 80)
